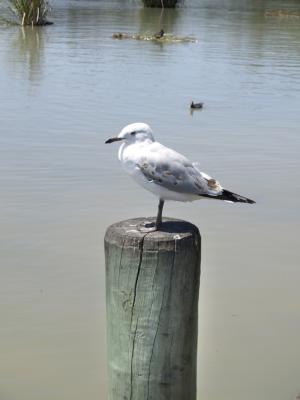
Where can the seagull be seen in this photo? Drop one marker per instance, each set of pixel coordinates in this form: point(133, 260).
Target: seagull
point(164, 172)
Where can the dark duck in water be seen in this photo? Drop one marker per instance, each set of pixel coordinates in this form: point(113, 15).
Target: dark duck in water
point(196, 105)
point(159, 34)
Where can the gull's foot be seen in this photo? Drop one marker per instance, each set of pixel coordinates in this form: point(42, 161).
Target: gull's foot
point(147, 226)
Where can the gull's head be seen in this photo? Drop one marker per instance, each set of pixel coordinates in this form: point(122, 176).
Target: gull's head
point(137, 132)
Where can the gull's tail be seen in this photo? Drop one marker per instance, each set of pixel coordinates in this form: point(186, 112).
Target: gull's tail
point(226, 195)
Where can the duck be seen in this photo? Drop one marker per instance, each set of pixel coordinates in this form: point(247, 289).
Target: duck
point(196, 105)
point(159, 34)
point(118, 35)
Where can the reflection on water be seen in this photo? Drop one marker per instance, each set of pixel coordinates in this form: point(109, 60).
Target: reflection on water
point(26, 51)
point(70, 86)
point(152, 20)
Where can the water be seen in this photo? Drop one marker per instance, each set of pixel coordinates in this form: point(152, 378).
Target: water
point(68, 87)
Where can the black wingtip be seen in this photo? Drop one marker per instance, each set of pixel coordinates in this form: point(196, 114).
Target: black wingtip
point(251, 201)
point(226, 195)
point(235, 198)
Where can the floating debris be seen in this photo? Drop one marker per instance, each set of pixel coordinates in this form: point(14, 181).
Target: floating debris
point(120, 35)
point(160, 37)
point(282, 13)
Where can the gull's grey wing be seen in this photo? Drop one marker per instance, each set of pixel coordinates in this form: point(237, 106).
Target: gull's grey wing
point(176, 173)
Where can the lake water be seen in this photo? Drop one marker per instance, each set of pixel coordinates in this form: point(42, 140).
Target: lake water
point(64, 90)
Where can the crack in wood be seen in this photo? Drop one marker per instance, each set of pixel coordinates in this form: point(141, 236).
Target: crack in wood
point(141, 248)
point(155, 336)
point(120, 263)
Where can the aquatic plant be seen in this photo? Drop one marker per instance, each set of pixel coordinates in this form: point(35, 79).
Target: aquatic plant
point(282, 13)
point(160, 3)
point(166, 38)
point(30, 12)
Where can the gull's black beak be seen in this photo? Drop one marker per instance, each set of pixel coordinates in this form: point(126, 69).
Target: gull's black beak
point(113, 139)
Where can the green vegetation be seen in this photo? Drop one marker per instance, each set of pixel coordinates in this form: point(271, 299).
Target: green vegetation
point(160, 3)
point(166, 38)
point(282, 13)
point(30, 12)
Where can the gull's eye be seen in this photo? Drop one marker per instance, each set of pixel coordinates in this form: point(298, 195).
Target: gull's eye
point(133, 133)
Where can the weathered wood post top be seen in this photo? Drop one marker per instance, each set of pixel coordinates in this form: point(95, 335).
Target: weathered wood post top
point(152, 286)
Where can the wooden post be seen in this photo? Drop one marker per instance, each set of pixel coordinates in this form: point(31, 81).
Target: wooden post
point(152, 286)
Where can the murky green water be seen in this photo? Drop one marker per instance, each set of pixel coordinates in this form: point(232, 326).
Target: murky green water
point(64, 90)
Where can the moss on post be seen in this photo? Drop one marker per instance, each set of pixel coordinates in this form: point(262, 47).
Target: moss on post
point(152, 285)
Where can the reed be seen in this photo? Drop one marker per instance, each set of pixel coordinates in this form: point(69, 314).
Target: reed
point(30, 12)
point(160, 3)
